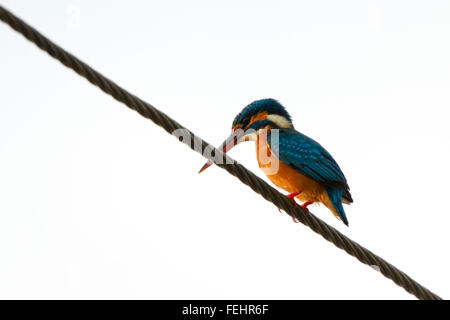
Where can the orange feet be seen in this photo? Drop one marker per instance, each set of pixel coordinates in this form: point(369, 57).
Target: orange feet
point(293, 195)
point(306, 204)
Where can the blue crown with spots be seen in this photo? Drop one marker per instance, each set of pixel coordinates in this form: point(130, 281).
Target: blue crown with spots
point(271, 106)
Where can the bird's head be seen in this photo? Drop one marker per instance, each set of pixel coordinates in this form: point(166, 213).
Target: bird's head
point(258, 115)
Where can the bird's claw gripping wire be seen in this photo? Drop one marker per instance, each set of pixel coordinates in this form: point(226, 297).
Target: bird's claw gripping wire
point(328, 233)
point(292, 197)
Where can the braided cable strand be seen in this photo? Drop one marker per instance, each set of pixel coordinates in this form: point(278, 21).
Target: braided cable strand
point(245, 176)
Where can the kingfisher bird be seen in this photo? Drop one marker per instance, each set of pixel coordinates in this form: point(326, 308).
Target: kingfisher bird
point(291, 160)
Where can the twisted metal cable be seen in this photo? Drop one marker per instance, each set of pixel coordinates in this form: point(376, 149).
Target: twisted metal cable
point(245, 176)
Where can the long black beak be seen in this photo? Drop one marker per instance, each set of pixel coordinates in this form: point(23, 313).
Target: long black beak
point(229, 143)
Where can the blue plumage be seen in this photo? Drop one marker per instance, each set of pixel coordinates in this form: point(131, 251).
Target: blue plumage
point(308, 172)
point(271, 106)
point(336, 198)
point(308, 157)
point(312, 160)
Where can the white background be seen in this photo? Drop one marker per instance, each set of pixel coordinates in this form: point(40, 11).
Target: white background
point(98, 202)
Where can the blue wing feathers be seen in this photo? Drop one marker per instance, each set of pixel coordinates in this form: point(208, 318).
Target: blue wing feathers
point(312, 160)
point(309, 158)
point(336, 198)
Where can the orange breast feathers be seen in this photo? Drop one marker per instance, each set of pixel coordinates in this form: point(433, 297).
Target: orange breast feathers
point(287, 178)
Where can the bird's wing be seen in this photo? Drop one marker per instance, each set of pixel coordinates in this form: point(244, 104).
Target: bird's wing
point(308, 157)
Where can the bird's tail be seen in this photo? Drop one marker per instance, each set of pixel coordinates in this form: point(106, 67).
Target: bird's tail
point(347, 197)
point(335, 196)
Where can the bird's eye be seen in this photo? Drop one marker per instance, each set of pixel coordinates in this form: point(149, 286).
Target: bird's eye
point(245, 121)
